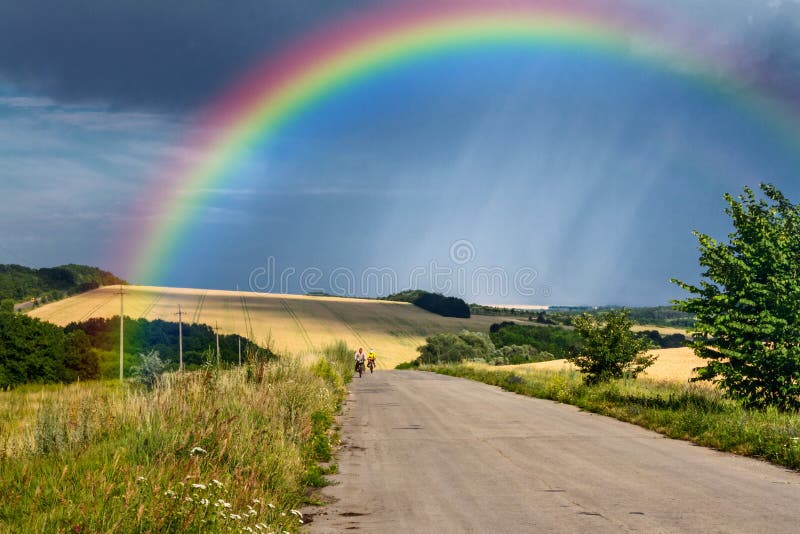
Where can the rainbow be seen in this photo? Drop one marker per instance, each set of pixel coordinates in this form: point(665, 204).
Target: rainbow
point(340, 55)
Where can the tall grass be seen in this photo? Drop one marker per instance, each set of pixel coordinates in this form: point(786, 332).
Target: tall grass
point(685, 411)
point(206, 451)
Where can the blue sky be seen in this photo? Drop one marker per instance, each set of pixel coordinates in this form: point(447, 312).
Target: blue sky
point(590, 172)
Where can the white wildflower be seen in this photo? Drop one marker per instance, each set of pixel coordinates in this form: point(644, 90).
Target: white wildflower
point(188, 499)
point(217, 483)
point(256, 501)
point(140, 479)
point(198, 450)
point(237, 517)
point(247, 529)
point(205, 502)
point(272, 506)
point(296, 512)
point(252, 512)
point(169, 493)
point(259, 527)
point(199, 486)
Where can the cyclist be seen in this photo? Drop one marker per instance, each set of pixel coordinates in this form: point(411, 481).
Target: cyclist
point(371, 356)
point(360, 356)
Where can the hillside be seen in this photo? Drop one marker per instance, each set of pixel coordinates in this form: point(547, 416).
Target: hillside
point(21, 283)
point(292, 323)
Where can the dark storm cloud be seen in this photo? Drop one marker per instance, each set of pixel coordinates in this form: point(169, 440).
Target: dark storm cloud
point(160, 54)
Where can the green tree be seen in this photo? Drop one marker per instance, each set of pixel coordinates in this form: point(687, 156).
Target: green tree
point(747, 306)
point(6, 306)
point(610, 348)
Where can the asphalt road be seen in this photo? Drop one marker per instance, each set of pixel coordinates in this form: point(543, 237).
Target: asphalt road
point(429, 453)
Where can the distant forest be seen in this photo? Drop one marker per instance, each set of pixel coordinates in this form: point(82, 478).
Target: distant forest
point(664, 316)
point(21, 283)
point(434, 303)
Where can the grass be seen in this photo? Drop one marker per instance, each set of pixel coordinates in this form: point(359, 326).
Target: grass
point(684, 411)
point(206, 451)
point(295, 324)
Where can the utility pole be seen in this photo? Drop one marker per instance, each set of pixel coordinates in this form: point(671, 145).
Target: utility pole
point(180, 337)
point(121, 294)
point(240, 351)
point(216, 329)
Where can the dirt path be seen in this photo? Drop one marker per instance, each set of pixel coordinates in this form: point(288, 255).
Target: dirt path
point(429, 453)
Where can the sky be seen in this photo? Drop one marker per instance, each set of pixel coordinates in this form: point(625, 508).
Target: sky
point(546, 177)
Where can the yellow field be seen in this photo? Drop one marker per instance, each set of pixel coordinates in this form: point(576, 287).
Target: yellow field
point(292, 323)
point(672, 365)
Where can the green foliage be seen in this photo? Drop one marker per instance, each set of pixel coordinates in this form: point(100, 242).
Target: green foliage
point(34, 351)
point(517, 354)
point(446, 347)
point(143, 336)
point(7, 306)
point(681, 411)
point(22, 283)
point(748, 304)
point(610, 349)
point(671, 341)
point(149, 370)
point(554, 340)
point(434, 303)
point(473, 346)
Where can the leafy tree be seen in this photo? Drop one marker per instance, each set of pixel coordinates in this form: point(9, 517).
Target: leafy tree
point(7, 306)
point(610, 348)
point(747, 306)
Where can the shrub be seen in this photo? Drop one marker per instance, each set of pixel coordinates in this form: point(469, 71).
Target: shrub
point(610, 349)
point(149, 370)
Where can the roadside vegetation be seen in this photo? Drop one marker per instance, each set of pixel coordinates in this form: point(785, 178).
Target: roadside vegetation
point(205, 451)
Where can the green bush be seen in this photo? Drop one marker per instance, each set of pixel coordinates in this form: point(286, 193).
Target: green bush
point(610, 349)
point(149, 370)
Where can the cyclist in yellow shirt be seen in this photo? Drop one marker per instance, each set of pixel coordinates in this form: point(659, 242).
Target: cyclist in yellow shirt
point(371, 360)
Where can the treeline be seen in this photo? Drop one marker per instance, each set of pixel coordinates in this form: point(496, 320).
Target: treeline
point(434, 303)
point(554, 340)
point(35, 351)
point(20, 283)
point(141, 335)
point(476, 347)
point(562, 341)
point(664, 316)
